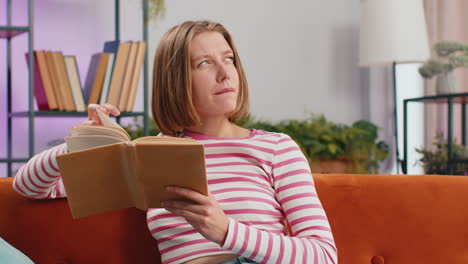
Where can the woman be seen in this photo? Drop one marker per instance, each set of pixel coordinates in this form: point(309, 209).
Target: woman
point(260, 183)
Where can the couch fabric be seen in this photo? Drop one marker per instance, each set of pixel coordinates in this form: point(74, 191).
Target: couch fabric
point(377, 219)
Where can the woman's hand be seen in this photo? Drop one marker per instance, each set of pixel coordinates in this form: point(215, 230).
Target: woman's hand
point(93, 118)
point(202, 212)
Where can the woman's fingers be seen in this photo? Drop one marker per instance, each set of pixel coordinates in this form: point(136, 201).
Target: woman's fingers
point(113, 110)
point(93, 117)
point(109, 109)
point(189, 194)
point(200, 211)
point(180, 206)
point(183, 213)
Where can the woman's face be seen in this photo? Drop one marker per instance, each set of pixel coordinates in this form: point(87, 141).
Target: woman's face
point(215, 82)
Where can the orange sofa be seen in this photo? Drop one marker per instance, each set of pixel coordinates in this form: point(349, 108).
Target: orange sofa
point(377, 219)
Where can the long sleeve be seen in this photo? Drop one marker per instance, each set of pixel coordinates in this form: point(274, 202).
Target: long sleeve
point(312, 240)
point(40, 178)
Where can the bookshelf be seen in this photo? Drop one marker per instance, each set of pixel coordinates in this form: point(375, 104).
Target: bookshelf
point(8, 32)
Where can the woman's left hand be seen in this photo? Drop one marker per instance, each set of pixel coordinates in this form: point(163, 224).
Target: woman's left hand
point(202, 212)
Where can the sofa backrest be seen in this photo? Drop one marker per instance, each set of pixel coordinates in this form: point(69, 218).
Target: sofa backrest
point(374, 218)
point(45, 231)
point(397, 218)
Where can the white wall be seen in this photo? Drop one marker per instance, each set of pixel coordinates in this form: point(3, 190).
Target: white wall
point(300, 56)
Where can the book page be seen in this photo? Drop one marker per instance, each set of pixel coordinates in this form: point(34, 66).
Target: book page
point(87, 130)
point(87, 136)
point(77, 143)
point(165, 140)
point(109, 122)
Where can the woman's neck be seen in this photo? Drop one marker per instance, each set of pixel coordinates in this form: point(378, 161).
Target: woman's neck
point(220, 128)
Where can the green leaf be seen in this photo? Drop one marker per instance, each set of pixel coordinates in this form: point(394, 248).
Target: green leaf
point(332, 148)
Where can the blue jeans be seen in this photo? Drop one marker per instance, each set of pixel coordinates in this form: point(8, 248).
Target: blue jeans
point(239, 260)
point(11, 255)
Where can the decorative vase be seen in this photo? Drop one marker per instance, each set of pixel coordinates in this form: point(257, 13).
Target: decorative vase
point(447, 84)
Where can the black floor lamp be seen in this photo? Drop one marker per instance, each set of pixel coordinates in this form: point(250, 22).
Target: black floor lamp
point(392, 32)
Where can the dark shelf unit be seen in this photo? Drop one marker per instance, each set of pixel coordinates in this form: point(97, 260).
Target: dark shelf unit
point(8, 32)
point(449, 100)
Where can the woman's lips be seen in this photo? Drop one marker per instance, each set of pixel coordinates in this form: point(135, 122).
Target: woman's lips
point(225, 90)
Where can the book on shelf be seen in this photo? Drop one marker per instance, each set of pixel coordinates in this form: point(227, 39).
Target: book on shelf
point(75, 83)
point(64, 83)
point(54, 80)
point(57, 82)
point(95, 78)
point(113, 77)
point(127, 76)
point(91, 76)
point(140, 58)
point(43, 93)
point(118, 73)
point(105, 171)
point(111, 46)
point(107, 79)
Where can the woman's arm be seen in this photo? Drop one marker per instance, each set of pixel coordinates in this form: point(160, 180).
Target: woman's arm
point(40, 178)
point(312, 240)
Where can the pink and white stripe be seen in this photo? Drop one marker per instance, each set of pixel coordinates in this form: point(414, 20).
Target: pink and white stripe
point(39, 178)
point(261, 182)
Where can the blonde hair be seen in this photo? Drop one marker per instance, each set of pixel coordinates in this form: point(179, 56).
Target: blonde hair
point(172, 105)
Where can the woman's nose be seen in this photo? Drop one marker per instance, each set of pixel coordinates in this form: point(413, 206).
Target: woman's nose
point(223, 74)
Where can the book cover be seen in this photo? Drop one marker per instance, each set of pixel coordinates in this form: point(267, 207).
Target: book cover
point(129, 69)
point(75, 83)
point(107, 78)
point(111, 46)
point(91, 75)
point(46, 79)
point(102, 60)
point(118, 73)
point(39, 89)
point(136, 77)
point(105, 171)
point(64, 82)
point(55, 80)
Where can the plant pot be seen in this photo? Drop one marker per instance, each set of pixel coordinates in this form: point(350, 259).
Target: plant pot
point(447, 84)
point(342, 166)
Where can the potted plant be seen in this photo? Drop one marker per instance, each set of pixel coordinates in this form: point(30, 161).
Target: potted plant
point(451, 55)
point(135, 128)
point(331, 147)
point(156, 8)
point(435, 160)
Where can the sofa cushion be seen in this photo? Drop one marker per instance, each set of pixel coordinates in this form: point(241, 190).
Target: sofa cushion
point(397, 218)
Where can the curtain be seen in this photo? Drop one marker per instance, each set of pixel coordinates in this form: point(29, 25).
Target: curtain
point(446, 20)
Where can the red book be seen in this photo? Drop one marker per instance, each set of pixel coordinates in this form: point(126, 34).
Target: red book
point(39, 91)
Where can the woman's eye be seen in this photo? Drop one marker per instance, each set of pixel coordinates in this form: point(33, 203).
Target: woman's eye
point(230, 58)
point(203, 63)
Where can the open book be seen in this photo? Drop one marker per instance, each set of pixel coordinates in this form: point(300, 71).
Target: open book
point(105, 171)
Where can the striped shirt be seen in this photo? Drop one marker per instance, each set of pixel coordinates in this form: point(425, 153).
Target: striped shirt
point(262, 182)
